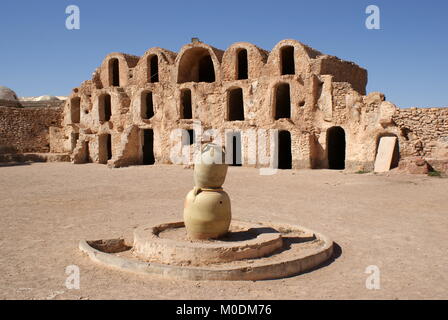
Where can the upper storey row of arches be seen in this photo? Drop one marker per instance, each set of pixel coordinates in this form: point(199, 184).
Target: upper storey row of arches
point(199, 62)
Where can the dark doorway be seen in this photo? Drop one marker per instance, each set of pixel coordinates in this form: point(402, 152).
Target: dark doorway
point(287, 60)
point(191, 137)
point(185, 104)
point(147, 105)
point(236, 150)
point(284, 150)
point(282, 101)
point(235, 104)
point(336, 148)
point(396, 156)
point(105, 148)
point(148, 146)
point(154, 68)
point(87, 153)
point(109, 147)
point(206, 69)
point(75, 110)
point(105, 107)
point(114, 68)
point(242, 64)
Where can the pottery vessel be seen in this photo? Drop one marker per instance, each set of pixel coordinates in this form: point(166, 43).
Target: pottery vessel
point(207, 213)
point(210, 170)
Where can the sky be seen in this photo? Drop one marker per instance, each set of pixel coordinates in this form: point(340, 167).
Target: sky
point(406, 59)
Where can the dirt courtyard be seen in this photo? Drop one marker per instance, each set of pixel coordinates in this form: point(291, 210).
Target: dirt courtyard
point(396, 222)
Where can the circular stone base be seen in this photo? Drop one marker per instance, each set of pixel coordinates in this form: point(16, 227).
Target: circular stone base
point(168, 243)
point(301, 250)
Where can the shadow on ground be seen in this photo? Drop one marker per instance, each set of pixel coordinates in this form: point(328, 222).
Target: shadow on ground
point(14, 164)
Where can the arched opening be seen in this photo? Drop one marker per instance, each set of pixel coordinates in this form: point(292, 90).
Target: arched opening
point(387, 154)
point(75, 111)
point(287, 60)
point(153, 68)
point(185, 104)
point(105, 148)
point(282, 100)
point(148, 147)
point(114, 72)
point(336, 148)
point(242, 64)
point(105, 107)
point(196, 65)
point(147, 105)
point(284, 150)
point(235, 104)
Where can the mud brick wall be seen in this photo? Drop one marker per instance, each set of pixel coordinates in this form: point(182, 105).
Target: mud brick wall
point(27, 129)
point(318, 101)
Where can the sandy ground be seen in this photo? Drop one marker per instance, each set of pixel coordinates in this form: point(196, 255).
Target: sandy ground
point(398, 223)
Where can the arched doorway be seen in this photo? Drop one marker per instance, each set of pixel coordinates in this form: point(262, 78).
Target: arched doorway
point(147, 105)
point(235, 104)
point(148, 147)
point(75, 110)
point(114, 72)
point(105, 107)
point(287, 60)
point(336, 148)
point(242, 64)
point(153, 62)
point(196, 65)
point(105, 148)
point(185, 104)
point(284, 150)
point(282, 101)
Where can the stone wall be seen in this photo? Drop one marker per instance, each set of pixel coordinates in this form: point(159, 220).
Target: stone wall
point(424, 132)
point(27, 129)
point(31, 104)
point(10, 103)
point(42, 104)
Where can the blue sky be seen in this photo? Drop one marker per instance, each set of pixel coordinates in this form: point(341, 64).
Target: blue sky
point(407, 59)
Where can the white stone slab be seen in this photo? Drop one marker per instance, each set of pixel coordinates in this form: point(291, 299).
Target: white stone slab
point(385, 154)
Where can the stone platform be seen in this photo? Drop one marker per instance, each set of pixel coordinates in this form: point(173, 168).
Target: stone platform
point(250, 251)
